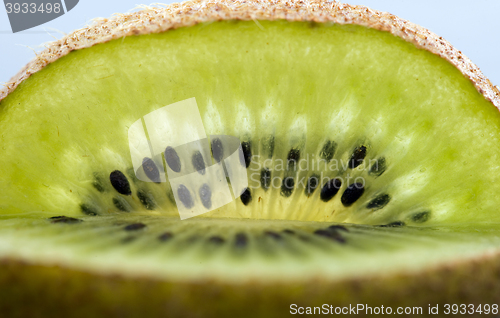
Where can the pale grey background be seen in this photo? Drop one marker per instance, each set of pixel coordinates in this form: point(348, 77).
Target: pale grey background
point(471, 26)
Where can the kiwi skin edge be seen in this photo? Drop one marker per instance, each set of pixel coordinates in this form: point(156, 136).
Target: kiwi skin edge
point(39, 291)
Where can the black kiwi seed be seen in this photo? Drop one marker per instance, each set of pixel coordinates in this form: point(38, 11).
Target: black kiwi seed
point(120, 205)
point(288, 231)
point(146, 200)
point(287, 187)
point(134, 227)
point(172, 159)
point(198, 162)
point(379, 202)
point(273, 235)
point(293, 159)
point(268, 144)
point(421, 217)
point(357, 157)
point(328, 150)
point(216, 240)
point(64, 219)
point(332, 235)
point(246, 196)
point(206, 196)
point(338, 227)
point(185, 196)
point(217, 150)
point(241, 240)
point(312, 184)
point(247, 153)
point(330, 189)
point(393, 224)
point(98, 183)
point(88, 210)
point(352, 194)
point(165, 236)
point(265, 178)
point(151, 170)
point(120, 182)
point(57, 217)
point(378, 167)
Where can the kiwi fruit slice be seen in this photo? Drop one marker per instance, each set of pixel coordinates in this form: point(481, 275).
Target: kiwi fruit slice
point(370, 145)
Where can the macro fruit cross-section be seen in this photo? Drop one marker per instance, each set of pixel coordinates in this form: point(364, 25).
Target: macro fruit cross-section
point(370, 145)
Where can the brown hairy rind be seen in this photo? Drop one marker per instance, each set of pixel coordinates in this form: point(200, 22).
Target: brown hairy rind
point(165, 17)
point(44, 291)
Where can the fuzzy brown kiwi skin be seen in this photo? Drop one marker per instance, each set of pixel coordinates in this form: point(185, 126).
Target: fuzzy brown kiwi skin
point(38, 291)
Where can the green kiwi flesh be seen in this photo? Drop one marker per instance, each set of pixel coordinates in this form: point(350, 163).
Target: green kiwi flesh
point(65, 128)
point(342, 93)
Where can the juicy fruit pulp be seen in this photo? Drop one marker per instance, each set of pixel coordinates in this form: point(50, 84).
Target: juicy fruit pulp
point(410, 145)
point(343, 93)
